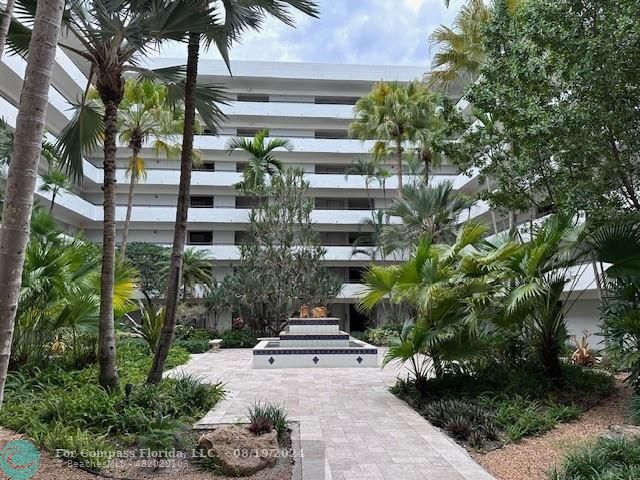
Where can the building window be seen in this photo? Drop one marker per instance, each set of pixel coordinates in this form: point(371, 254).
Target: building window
point(329, 203)
point(252, 97)
point(241, 166)
point(331, 169)
point(200, 238)
point(356, 274)
point(249, 202)
point(328, 100)
point(201, 201)
point(247, 132)
point(240, 237)
point(206, 166)
point(360, 204)
point(333, 238)
point(331, 134)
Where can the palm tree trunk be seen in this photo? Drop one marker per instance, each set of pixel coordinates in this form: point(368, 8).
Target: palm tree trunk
point(399, 160)
point(53, 200)
point(180, 231)
point(5, 23)
point(108, 373)
point(22, 175)
point(127, 220)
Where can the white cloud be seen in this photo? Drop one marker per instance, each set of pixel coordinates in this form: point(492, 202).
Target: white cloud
point(348, 31)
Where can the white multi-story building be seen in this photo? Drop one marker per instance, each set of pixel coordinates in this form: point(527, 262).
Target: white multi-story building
point(310, 104)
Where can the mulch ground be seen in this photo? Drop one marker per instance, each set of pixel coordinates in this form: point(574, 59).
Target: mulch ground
point(52, 468)
point(531, 459)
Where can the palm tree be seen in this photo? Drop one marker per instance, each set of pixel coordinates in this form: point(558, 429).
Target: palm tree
point(433, 283)
point(22, 175)
point(538, 277)
point(461, 53)
point(196, 270)
point(145, 114)
point(424, 211)
point(5, 22)
point(262, 163)
point(111, 37)
point(238, 18)
point(392, 115)
point(55, 181)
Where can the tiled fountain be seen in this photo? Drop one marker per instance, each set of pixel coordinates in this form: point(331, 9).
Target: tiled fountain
point(314, 343)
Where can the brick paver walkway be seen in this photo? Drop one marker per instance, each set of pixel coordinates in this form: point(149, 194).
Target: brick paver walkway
point(351, 426)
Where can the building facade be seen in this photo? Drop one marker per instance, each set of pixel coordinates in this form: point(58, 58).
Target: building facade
point(310, 104)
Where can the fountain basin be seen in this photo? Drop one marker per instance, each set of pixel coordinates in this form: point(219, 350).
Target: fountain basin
point(314, 343)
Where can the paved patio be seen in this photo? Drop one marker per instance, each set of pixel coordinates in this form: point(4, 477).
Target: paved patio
point(351, 427)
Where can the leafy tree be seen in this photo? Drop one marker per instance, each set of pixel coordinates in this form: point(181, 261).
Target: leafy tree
point(262, 162)
point(424, 210)
point(151, 261)
point(281, 259)
point(22, 175)
point(392, 114)
point(239, 17)
point(546, 134)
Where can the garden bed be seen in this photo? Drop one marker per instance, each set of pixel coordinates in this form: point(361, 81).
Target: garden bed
point(533, 458)
point(499, 405)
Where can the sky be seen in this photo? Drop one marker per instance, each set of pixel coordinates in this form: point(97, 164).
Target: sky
point(385, 32)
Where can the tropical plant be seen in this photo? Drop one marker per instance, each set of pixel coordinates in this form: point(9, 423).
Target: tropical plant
point(112, 38)
point(424, 210)
point(539, 274)
point(22, 175)
point(197, 270)
point(150, 324)
point(262, 162)
point(55, 182)
point(145, 114)
point(448, 289)
point(618, 244)
point(238, 18)
point(461, 53)
point(60, 291)
point(392, 114)
point(5, 22)
point(217, 300)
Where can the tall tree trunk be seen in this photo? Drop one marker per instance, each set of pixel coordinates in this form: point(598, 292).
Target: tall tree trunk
point(127, 220)
point(399, 161)
point(5, 23)
point(23, 172)
point(108, 373)
point(180, 231)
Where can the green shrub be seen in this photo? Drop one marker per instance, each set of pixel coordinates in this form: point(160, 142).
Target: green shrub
point(382, 336)
point(606, 459)
point(464, 420)
point(90, 450)
point(67, 410)
point(263, 417)
point(193, 345)
point(238, 339)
